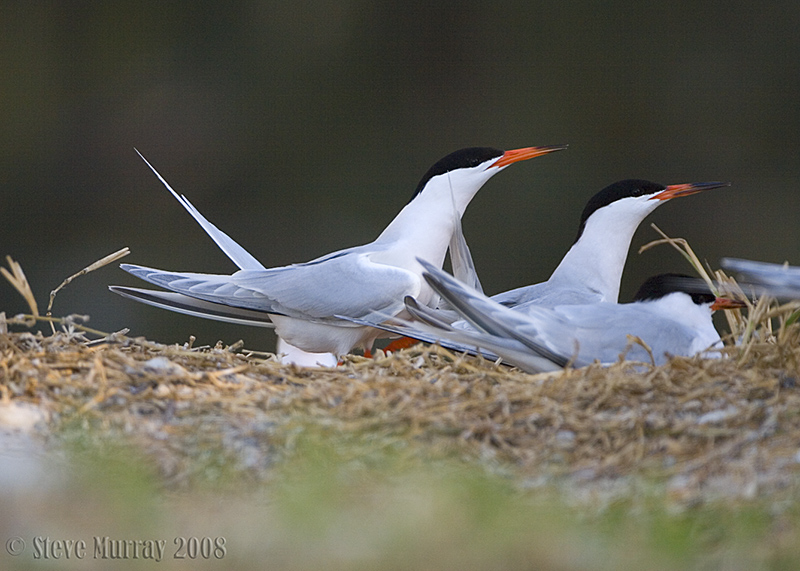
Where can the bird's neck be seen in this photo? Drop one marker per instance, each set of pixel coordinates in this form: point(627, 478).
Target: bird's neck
point(597, 258)
point(424, 226)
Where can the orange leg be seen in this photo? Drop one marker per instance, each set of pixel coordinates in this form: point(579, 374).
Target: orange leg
point(401, 343)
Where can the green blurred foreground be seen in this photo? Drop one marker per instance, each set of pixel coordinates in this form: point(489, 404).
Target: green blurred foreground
point(360, 501)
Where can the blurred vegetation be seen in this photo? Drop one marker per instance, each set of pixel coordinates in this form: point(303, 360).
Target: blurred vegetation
point(349, 502)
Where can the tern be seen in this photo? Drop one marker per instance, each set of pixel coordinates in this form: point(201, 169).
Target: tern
point(302, 300)
point(591, 271)
point(671, 314)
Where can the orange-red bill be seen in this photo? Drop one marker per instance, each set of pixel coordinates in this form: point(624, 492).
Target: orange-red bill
point(516, 155)
point(726, 303)
point(678, 190)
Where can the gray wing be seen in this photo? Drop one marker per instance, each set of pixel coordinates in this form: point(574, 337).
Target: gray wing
point(349, 284)
point(492, 319)
point(195, 307)
point(763, 272)
point(218, 289)
point(419, 329)
point(532, 359)
point(346, 283)
point(546, 294)
point(238, 255)
point(430, 328)
point(776, 280)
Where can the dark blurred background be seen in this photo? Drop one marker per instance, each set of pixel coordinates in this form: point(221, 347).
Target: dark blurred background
point(303, 127)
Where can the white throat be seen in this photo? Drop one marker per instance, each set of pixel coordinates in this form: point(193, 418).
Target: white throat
point(425, 225)
point(597, 258)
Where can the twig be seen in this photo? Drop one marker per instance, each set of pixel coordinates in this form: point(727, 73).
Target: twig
point(686, 251)
point(90, 268)
point(26, 319)
point(16, 278)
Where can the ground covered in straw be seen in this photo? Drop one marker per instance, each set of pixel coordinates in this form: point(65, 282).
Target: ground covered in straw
point(417, 459)
point(702, 429)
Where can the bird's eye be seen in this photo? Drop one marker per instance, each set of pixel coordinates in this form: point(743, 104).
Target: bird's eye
point(701, 298)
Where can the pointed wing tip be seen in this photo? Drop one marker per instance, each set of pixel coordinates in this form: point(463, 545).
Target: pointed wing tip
point(426, 264)
point(158, 175)
point(138, 271)
point(124, 291)
point(141, 156)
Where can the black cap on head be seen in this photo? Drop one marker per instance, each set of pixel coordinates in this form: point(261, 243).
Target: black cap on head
point(658, 286)
point(463, 158)
point(631, 187)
